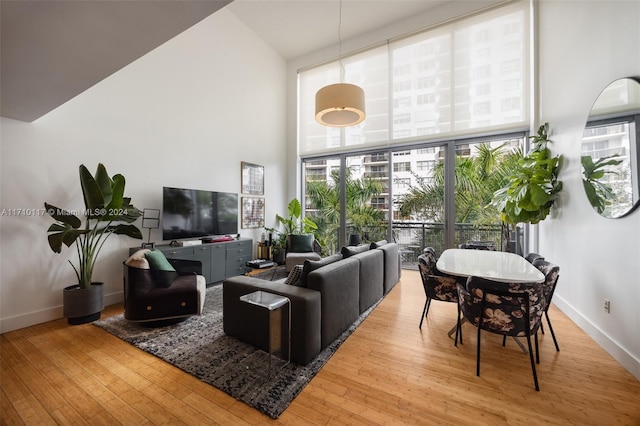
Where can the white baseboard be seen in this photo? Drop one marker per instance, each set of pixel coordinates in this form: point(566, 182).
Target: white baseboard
point(619, 353)
point(44, 315)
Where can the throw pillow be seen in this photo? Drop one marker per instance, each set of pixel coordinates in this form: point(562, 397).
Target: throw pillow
point(301, 243)
point(138, 259)
point(294, 275)
point(378, 244)
point(158, 261)
point(312, 265)
point(350, 251)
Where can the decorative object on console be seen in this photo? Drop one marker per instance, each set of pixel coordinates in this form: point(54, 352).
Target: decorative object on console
point(252, 178)
point(107, 212)
point(150, 220)
point(252, 212)
point(341, 104)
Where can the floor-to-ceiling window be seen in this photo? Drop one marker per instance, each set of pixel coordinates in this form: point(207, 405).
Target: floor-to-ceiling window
point(399, 194)
point(427, 96)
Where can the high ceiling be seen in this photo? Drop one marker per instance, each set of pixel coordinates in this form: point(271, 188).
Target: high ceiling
point(295, 28)
point(52, 50)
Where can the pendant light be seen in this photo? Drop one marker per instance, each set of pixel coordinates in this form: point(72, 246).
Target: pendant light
point(341, 104)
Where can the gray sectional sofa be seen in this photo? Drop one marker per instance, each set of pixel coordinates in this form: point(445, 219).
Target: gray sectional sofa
point(330, 296)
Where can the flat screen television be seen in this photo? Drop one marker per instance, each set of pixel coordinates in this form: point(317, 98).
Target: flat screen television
point(193, 213)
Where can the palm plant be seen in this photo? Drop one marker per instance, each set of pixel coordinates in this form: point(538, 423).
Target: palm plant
point(107, 212)
point(476, 179)
point(362, 218)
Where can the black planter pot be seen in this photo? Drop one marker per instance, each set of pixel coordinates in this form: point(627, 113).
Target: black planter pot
point(82, 305)
point(279, 257)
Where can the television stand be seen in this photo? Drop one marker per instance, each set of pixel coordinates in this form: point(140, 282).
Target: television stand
point(220, 260)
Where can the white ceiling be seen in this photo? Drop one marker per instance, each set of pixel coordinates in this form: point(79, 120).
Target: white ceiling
point(295, 28)
point(52, 50)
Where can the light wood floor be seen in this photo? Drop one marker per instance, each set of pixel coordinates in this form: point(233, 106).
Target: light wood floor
point(388, 372)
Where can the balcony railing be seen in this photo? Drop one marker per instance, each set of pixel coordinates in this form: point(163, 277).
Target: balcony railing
point(413, 237)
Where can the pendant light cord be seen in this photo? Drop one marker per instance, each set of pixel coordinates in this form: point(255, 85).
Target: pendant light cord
point(340, 44)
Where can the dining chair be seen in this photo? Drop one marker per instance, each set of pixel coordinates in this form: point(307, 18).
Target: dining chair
point(532, 257)
point(436, 286)
point(551, 274)
point(509, 309)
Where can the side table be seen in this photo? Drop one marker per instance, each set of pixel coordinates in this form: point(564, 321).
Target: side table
point(273, 303)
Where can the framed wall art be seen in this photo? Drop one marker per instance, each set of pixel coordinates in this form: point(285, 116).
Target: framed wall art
point(252, 178)
point(252, 212)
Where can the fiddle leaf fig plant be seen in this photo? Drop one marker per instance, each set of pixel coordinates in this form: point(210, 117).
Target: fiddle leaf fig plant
point(533, 187)
point(107, 211)
point(599, 194)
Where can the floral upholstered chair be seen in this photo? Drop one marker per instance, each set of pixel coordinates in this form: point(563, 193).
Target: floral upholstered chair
point(551, 274)
point(509, 309)
point(436, 286)
point(533, 257)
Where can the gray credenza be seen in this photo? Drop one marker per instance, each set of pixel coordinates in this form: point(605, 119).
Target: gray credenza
point(219, 260)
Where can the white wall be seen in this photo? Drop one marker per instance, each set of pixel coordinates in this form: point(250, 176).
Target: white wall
point(185, 115)
point(583, 46)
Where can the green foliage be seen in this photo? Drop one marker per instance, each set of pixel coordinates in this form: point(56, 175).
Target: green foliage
point(293, 224)
point(600, 195)
point(107, 212)
point(533, 186)
point(362, 218)
point(476, 179)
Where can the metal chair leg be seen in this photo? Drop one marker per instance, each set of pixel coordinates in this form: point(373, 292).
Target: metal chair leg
point(552, 333)
point(478, 356)
point(533, 364)
point(425, 310)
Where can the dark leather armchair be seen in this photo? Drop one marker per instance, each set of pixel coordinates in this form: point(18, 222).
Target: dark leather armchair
point(156, 298)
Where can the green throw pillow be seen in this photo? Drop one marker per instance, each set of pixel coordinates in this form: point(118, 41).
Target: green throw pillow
point(158, 261)
point(301, 243)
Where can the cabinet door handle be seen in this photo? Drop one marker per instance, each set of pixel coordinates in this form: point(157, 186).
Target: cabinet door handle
point(172, 252)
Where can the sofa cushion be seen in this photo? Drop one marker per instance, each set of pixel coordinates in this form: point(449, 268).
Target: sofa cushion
point(312, 265)
point(378, 244)
point(301, 243)
point(158, 261)
point(138, 260)
point(351, 250)
point(294, 275)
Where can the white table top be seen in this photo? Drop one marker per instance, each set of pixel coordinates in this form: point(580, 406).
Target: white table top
point(494, 265)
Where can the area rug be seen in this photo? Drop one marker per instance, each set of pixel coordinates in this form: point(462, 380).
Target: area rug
point(199, 347)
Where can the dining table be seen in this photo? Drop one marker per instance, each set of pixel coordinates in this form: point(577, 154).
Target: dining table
point(492, 265)
point(498, 266)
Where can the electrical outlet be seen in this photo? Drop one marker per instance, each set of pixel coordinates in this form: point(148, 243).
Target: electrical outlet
point(607, 306)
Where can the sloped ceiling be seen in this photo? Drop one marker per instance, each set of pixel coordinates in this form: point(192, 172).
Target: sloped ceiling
point(52, 50)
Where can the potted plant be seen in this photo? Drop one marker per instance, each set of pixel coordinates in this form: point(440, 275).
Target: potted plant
point(532, 188)
point(293, 224)
point(107, 211)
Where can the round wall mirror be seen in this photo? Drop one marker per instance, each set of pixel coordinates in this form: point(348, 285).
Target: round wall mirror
point(610, 149)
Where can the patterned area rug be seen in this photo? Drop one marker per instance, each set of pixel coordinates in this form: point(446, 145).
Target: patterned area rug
point(199, 347)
